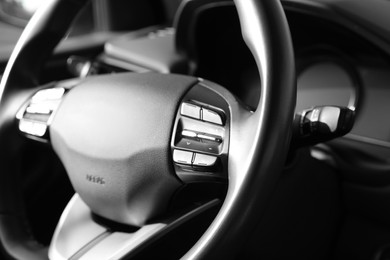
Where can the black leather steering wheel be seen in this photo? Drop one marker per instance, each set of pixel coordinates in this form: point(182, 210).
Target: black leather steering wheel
point(122, 183)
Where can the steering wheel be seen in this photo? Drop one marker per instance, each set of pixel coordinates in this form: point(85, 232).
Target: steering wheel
point(130, 142)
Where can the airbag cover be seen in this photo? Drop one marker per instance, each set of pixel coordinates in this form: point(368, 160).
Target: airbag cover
point(113, 134)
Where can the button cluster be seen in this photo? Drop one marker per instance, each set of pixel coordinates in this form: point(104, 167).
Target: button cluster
point(197, 143)
point(194, 159)
point(35, 117)
point(201, 113)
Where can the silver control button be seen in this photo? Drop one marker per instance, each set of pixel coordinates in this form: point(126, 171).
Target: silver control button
point(204, 160)
point(38, 109)
point(182, 157)
point(211, 116)
point(190, 110)
point(32, 128)
point(211, 138)
point(48, 94)
point(188, 133)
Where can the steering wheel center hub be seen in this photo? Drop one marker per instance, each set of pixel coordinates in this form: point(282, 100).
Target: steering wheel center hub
point(113, 135)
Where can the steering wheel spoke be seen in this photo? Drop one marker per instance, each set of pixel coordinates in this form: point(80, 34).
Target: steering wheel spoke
point(79, 236)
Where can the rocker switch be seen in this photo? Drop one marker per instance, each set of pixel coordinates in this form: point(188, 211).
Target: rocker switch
point(211, 116)
point(182, 157)
point(204, 160)
point(190, 110)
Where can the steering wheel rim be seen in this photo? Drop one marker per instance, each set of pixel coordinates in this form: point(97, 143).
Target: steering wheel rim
point(265, 31)
point(258, 145)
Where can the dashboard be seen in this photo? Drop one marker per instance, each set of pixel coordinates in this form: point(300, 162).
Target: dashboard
point(336, 63)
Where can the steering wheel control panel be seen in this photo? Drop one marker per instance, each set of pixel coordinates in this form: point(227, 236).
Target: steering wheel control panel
point(195, 133)
point(200, 138)
point(36, 116)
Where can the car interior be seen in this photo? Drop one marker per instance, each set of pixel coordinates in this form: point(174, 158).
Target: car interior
point(195, 129)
